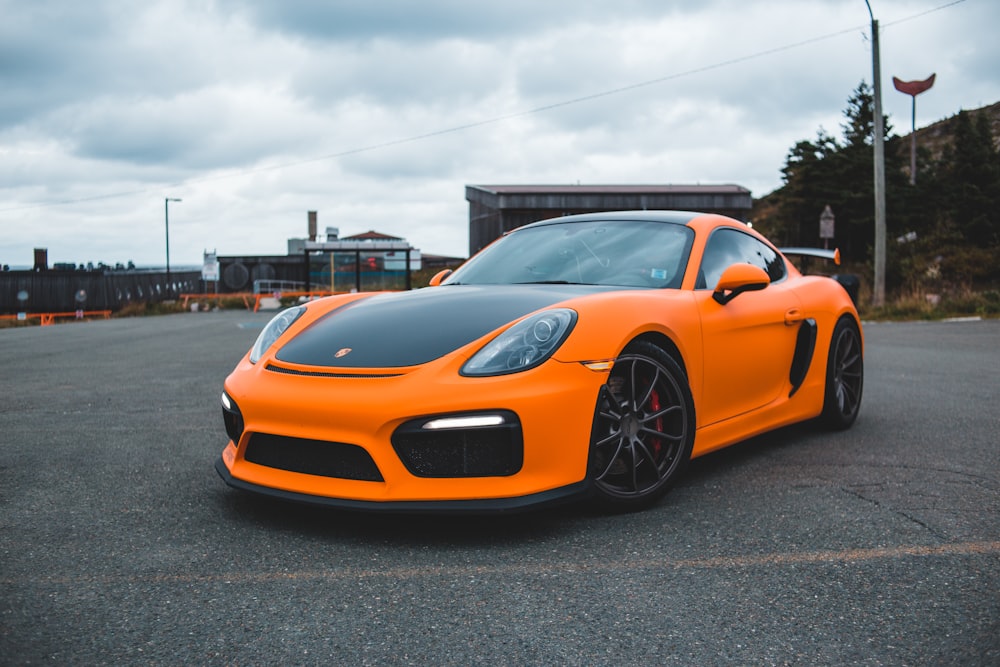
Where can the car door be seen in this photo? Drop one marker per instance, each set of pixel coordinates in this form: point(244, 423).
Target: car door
point(748, 341)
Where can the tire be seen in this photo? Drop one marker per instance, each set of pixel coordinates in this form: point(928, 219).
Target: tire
point(643, 429)
point(844, 376)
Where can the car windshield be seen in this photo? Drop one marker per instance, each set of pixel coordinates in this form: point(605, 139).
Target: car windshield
point(626, 253)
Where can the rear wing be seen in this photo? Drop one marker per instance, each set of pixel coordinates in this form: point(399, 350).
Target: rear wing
point(813, 252)
point(849, 282)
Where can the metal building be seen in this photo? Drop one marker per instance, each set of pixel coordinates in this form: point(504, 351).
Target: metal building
point(495, 209)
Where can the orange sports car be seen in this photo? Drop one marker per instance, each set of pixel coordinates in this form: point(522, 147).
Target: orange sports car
point(583, 356)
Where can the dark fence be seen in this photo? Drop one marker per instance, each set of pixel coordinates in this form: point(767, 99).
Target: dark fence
point(53, 291)
point(239, 273)
point(363, 269)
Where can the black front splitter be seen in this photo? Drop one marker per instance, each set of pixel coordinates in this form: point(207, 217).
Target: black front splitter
point(533, 501)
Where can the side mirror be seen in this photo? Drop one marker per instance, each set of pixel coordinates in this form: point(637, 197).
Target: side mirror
point(439, 277)
point(737, 279)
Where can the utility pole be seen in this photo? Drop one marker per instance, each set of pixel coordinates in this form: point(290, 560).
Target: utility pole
point(878, 291)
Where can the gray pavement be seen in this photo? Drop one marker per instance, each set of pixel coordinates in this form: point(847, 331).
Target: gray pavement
point(120, 545)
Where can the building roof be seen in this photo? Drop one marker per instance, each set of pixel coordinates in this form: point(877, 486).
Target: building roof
point(371, 235)
point(613, 189)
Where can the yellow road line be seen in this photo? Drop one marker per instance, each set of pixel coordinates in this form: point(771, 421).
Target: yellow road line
point(845, 556)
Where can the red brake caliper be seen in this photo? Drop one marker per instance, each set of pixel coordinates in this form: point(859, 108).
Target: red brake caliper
point(654, 404)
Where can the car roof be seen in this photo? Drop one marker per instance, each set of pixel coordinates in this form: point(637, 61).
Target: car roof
point(672, 217)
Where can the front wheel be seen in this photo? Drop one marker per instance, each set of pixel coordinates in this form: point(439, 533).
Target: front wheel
point(845, 374)
point(643, 428)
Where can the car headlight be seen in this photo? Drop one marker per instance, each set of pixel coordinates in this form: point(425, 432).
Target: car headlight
point(525, 345)
point(277, 326)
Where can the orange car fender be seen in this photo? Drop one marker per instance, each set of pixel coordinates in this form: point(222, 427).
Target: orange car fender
point(607, 323)
point(320, 308)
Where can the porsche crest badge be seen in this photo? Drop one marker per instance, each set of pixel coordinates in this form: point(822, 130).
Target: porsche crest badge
point(342, 352)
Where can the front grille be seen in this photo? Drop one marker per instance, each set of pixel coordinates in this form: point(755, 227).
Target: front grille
point(312, 457)
point(490, 451)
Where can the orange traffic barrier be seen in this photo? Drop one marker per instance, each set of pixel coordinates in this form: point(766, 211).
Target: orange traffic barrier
point(47, 319)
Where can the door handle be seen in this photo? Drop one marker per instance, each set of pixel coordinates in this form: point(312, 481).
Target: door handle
point(793, 316)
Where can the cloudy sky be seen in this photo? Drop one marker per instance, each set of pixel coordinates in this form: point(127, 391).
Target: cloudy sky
point(377, 114)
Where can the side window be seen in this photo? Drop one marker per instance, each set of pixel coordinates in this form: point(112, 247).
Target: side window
point(722, 251)
point(729, 246)
point(762, 255)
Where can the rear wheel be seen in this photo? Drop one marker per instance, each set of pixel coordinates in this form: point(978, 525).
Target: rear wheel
point(844, 376)
point(643, 428)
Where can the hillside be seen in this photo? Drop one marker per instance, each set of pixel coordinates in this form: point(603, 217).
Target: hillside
point(943, 231)
point(937, 136)
point(934, 138)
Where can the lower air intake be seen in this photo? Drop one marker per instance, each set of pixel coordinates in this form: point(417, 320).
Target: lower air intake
point(312, 457)
point(482, 451)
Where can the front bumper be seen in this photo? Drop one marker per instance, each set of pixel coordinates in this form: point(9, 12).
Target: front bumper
point(553, 405)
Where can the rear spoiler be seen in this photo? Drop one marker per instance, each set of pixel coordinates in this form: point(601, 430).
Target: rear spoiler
point(813, 252)
point(848, 281)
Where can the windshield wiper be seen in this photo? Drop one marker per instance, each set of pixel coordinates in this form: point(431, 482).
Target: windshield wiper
point(549, 282)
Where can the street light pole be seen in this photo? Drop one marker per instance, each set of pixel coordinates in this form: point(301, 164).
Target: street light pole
point(878, 296)
point(166, 225)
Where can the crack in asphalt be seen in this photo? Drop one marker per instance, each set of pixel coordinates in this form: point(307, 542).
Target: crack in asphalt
point(879, 505)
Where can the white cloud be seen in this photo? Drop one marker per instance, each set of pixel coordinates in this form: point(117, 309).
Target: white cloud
point(377, 115)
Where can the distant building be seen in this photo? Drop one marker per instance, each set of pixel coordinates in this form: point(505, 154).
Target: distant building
point(41, 259)
point(367, 261)
point(495, 209)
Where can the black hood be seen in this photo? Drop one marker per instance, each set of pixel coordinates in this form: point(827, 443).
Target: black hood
point(411, 328)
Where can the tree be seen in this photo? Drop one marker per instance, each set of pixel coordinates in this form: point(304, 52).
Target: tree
point(948, 223)
point(972, 181)
point(839, 174)
point(806, 181)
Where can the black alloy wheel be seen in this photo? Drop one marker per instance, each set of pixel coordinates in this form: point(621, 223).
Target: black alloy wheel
point(643, 428)
point(844, 376)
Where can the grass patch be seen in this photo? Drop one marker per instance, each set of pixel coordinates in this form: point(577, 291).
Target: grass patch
point(143, 309)
point(921, 304)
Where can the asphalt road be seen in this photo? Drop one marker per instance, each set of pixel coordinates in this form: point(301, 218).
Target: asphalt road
point(120, 545)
